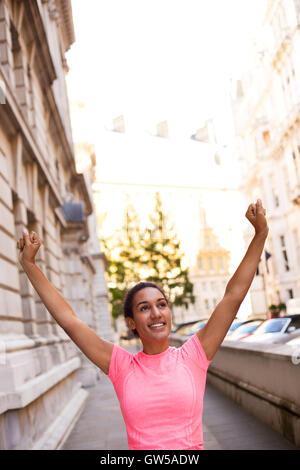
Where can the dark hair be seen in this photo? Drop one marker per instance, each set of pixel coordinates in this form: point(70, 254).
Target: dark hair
point(127, 305)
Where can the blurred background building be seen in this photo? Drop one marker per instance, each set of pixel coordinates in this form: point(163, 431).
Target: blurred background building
point(41, 370)
point(266, 105)
point(198, 182)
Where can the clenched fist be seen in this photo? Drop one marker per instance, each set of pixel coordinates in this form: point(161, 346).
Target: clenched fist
point(28, 246)
point(256, 214)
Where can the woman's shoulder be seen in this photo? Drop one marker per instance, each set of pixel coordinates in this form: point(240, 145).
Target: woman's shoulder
point(192, 349)
point(121, 360)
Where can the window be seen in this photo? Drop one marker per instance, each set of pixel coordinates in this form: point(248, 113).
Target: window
point(274, 325)
point(290, 293)
point(266, 137)
point(221, 264)
point(295, 322)
point(211, 264)
point(284, 253)
point(206, 303)
point(274, 191)
point(297, 247)
point(200, 262)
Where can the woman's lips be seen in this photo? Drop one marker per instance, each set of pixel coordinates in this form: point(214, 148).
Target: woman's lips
point(157, 326)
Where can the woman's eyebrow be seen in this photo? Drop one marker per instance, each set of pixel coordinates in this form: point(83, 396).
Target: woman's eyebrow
point(145, 301)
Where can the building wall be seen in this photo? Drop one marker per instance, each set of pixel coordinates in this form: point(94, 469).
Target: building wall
point(41, 370)
point(267, 115)
point(210, 274)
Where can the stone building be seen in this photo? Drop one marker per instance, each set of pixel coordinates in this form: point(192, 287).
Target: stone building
point(210, 274)
point(41, 370)
point(266, 105)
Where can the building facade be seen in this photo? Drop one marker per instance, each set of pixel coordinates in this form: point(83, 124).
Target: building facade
point(266, 104)
point(210, 274)
point(41, 370)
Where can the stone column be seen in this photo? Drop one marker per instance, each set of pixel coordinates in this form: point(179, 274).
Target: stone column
point(6, 56)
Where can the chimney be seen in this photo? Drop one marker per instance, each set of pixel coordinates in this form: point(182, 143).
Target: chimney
point(162, 129)
point(119, 124)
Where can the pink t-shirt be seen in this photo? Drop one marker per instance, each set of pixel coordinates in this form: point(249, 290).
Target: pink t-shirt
point(161, 395)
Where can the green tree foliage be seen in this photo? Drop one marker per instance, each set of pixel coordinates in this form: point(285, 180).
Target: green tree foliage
point(152, 254)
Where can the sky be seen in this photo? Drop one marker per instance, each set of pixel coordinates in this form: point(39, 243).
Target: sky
point(159, 60)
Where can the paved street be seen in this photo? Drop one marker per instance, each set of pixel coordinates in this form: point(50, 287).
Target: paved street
point(226, 426)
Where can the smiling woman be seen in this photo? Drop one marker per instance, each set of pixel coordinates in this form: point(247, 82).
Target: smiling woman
point(146, 311)
point(161, 388)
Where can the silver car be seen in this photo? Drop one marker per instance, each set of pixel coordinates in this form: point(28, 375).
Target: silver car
point(244, 330)
point(276, 330)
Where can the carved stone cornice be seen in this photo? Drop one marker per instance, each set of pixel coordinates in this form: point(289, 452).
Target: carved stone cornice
point(60, 130)
point(47, 69)
point(67, 20)
point(78, 179)
point(13, 120)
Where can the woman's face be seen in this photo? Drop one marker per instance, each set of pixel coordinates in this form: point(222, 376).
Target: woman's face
point(151, 315)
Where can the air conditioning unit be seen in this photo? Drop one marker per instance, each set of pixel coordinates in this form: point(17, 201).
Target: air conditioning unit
point(73, 211)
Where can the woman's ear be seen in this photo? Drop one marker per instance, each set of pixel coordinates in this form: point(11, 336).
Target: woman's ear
point(130, 323)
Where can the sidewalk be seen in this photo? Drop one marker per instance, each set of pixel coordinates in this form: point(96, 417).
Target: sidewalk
point(226, 426)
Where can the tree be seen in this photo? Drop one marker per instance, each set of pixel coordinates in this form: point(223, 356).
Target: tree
point(163, 257)
point(152, 254)
point(123, 251)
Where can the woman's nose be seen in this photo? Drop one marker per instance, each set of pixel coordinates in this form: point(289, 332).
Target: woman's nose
point(155, 312)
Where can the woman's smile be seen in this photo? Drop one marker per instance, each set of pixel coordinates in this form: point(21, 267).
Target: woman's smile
point(157, 326)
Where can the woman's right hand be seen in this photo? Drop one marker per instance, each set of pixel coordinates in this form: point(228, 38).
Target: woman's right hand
point(28, 246)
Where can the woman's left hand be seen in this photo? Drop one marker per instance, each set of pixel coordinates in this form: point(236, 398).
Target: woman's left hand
point(256, 214)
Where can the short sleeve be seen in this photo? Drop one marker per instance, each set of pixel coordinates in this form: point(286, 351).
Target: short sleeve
point(120, 363)
point(193, 349)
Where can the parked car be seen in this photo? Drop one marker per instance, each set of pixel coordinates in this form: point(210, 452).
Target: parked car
point(294, 341)
point(190, 329)
point(184, 324)
point(196, 327)
point(234, 325)
point(244, 330)
point(276, 330)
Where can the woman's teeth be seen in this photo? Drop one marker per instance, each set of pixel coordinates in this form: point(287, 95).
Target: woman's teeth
point(156, 325)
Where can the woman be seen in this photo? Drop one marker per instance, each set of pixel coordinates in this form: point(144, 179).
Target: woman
point(161, 388)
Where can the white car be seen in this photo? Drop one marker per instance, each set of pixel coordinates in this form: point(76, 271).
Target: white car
point(244, 330)
point(276, 330)
point(294, 341)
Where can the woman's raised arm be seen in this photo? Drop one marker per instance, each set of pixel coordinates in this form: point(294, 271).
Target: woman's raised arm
point(213, 333)
point(96, 349)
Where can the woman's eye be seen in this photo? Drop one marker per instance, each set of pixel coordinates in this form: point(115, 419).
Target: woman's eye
point(162, 304)
point(144, 307)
